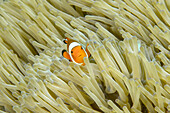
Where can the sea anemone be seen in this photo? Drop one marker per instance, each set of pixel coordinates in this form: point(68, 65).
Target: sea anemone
point(129, 67)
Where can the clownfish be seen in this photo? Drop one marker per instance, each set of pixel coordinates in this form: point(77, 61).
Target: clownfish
point(75, 52)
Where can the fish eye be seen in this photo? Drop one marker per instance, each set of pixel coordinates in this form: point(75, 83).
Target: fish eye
point(81, 47)
point(71, 51)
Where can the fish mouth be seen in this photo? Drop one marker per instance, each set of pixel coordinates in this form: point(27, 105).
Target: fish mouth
point(79, 56)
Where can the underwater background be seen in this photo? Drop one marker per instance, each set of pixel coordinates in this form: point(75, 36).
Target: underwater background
point(129, 67)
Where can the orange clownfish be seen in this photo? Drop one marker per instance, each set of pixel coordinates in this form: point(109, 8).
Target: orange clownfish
point(75, 52)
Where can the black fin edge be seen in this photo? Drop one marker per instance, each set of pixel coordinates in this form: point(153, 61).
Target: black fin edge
point(63, 51)
point(64, 41)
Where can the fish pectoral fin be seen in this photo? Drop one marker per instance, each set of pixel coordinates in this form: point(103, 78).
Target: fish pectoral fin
point(83, 64)
point(88, 53)
point(66, 55)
